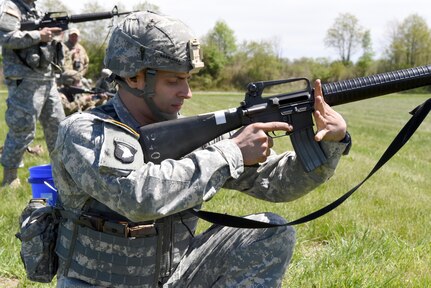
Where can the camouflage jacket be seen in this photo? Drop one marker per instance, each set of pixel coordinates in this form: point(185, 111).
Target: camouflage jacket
point(97, 157)
point(74, 60)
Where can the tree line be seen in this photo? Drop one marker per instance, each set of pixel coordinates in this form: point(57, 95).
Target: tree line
point(231, 65)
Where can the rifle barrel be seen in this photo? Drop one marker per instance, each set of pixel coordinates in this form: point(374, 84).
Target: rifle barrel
point(93, 16)
point(346, 91)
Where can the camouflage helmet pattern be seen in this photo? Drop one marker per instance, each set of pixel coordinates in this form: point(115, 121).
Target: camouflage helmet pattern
point(149, 40)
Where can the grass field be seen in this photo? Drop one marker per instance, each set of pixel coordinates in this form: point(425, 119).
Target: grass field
point(380, 237)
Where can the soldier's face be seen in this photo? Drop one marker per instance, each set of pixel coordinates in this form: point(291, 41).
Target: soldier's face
point(73, 38)
point(172, 89)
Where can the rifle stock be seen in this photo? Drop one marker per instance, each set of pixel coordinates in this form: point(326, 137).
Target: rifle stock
point(174, 139)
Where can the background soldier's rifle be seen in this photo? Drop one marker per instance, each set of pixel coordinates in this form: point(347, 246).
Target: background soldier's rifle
point(62, 20)
point(72, 91)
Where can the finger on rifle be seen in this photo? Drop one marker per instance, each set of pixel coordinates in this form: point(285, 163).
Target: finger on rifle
point(318, 102)
point(274, 126)
point(320, 134)
point(318, 94)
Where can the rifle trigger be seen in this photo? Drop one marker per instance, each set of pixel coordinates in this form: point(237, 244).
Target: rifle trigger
point(274, 135)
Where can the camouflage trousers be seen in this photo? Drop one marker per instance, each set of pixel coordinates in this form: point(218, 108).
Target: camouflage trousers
point(30, 100)
point(230, 257)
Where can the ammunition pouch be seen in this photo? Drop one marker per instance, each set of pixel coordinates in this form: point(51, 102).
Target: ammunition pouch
point(38, 235)
point(42, 56)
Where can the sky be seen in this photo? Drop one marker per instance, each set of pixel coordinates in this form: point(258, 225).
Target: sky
point(297, 26)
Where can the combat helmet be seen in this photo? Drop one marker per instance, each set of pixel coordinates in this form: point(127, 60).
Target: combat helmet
point(147, 40)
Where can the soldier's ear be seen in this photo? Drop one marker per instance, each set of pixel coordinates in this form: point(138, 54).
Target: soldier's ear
point(132, 81)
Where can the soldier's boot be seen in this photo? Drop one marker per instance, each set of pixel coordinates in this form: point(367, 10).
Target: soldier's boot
point(10, 178)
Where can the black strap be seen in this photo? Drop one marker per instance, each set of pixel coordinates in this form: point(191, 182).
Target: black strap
point(24, 62)
point(419, 114)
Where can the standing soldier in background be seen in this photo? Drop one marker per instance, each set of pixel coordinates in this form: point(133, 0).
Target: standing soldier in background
point(76, 55)
point(28, 70)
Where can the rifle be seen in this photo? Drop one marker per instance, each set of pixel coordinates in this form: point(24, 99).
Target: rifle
point(73, 90)
point(174, 139)
point(62, 20)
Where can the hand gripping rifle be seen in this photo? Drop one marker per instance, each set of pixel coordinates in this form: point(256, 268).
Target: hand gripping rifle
point(62, 20)
point(174, 139)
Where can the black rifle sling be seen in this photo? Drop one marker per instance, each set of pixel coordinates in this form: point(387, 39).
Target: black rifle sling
point(419, 114)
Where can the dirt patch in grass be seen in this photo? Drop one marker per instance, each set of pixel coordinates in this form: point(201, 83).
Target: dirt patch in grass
point(8, 283)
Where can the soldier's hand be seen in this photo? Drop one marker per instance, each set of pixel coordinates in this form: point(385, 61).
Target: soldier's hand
point(48, 33)
point(331, 126)
point(254, 142)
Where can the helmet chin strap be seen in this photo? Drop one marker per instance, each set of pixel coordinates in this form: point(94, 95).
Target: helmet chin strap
point(148, 94)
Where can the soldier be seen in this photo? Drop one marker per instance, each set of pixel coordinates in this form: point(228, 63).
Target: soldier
point(76, 55)
point(131, 225)
point(28, 58)
point(77, 102)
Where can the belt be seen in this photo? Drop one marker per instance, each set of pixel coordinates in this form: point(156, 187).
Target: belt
point(117, 228)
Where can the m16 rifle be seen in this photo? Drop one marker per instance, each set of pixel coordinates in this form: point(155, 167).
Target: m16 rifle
point(71, 91)
point(174, 139)
point(62, 20)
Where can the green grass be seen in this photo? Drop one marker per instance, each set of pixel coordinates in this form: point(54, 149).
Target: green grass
point(380, 237)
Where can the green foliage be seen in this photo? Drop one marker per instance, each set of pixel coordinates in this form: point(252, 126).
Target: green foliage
point(345, 36)
point(219, 46)
point(255, 61)
point(52, 6)
point(410, 43)
point(215, 61)
point(222, 37)
point(96, 53)
point(146, 5)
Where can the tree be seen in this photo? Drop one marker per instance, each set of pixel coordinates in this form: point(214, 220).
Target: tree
point(345, 36)
point(410, 43)
point(366, 60)
point(256, 61)
point(53, 6)
point(218, 46)
point(145, 5)
point(223, 38)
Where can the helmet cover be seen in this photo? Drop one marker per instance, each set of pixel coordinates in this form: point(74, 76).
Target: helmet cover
point(149, 40)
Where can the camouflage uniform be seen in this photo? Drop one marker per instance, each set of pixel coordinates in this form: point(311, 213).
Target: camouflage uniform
point(87, 163)
point(102, 178)
point(79, 63)
point(74, 102)
point(28, 75)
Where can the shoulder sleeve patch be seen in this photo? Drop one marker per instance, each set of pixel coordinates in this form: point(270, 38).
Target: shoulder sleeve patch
point(9, 19)
point(121, 151)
